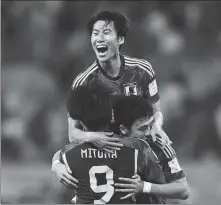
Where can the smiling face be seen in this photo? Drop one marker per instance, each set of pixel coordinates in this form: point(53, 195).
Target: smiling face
point(139, 129)
point(105, 41)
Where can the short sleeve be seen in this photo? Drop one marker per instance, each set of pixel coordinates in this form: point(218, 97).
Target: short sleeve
point(150, 86)
point(168, 161)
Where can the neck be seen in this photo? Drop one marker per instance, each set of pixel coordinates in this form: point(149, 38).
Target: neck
point(112, 66)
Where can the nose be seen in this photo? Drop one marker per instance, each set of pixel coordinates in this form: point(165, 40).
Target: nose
point(100, 38)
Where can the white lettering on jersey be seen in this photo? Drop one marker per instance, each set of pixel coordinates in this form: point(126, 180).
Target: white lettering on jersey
point(153, 88)
point(174, 165)
point(90, 153)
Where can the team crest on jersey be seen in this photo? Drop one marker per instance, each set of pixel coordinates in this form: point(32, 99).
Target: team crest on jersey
point(130, 89)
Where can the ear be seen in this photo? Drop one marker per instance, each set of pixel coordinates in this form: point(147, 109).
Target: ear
point(121, 40)
point(123, 130)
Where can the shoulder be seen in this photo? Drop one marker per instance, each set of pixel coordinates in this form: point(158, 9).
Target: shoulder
point(81, 77)
point(68, 148)
point(143, 65)
point(136, 143)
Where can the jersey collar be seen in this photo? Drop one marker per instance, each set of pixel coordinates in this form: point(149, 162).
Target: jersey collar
point(120, 73)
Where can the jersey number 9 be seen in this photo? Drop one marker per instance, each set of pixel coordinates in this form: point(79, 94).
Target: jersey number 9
point(108, 188)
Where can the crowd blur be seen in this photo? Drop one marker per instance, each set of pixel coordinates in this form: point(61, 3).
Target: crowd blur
point(45, 44)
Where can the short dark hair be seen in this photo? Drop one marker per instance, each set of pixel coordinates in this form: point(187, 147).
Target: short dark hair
point(121, 23)
point(93, 108)
point(128, 109)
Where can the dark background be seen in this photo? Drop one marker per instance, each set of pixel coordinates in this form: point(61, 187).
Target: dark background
point(45, 44)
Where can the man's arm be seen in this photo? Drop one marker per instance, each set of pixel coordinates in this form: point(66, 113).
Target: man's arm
point(76, 134)
point(152, 96)
point(174, 190)
point(152, 180)
point(99, 139)
point(62, 172)
point(157, 114)
point(157, 126)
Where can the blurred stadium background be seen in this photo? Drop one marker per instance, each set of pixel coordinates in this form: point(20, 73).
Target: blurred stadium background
point(45, 45)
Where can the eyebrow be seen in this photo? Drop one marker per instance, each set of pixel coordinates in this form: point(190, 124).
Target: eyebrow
point(107, 29)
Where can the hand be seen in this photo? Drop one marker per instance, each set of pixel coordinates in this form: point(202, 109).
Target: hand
point(108, 144)
point(133, 186)
point(158, 134)
point(63, 174)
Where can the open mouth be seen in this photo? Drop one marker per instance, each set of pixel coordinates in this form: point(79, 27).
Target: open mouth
point(102, 49)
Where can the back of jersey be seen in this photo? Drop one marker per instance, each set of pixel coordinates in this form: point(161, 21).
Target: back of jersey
point(97, 171)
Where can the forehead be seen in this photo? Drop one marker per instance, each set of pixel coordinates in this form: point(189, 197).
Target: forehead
point(102, 24)
point(140, 122)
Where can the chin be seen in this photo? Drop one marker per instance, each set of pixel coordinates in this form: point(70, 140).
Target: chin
point(103, 59)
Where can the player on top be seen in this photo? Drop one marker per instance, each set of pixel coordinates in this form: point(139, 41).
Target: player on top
point(115, 73)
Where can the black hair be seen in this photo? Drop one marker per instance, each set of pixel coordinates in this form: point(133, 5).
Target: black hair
point(121, 23)
point(93, 108)
point(128, 109)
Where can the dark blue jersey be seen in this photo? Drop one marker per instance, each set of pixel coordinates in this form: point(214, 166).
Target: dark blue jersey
point(97, 171)
point(136, 77)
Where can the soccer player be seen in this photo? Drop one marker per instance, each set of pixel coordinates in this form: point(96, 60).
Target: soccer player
point(115, 74)
point(129, 117)
point(97, 170)
point(138, 121)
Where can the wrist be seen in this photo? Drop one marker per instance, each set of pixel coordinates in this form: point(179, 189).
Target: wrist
point(146, 187)
point(89, 137)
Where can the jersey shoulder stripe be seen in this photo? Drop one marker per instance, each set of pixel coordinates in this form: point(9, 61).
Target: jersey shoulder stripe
point(145, 65)
point(141, 64)
point(80, 76)
point(167, 149)
point(86, 76)
point(138, 59)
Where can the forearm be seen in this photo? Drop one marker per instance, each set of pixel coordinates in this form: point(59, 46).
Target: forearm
point(157, 114)
point(75, 132)
point(79, 136)
point(173, 190)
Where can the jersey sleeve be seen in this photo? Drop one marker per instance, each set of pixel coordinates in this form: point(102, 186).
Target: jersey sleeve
point(150, 84)
point(66, 148)
point(82, 78)
point(77, 82)
point(65, 156)
point(168, 161)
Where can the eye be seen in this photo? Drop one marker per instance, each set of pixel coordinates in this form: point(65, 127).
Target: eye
point(143, 128)
point(95, 33)
point(107, 32)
